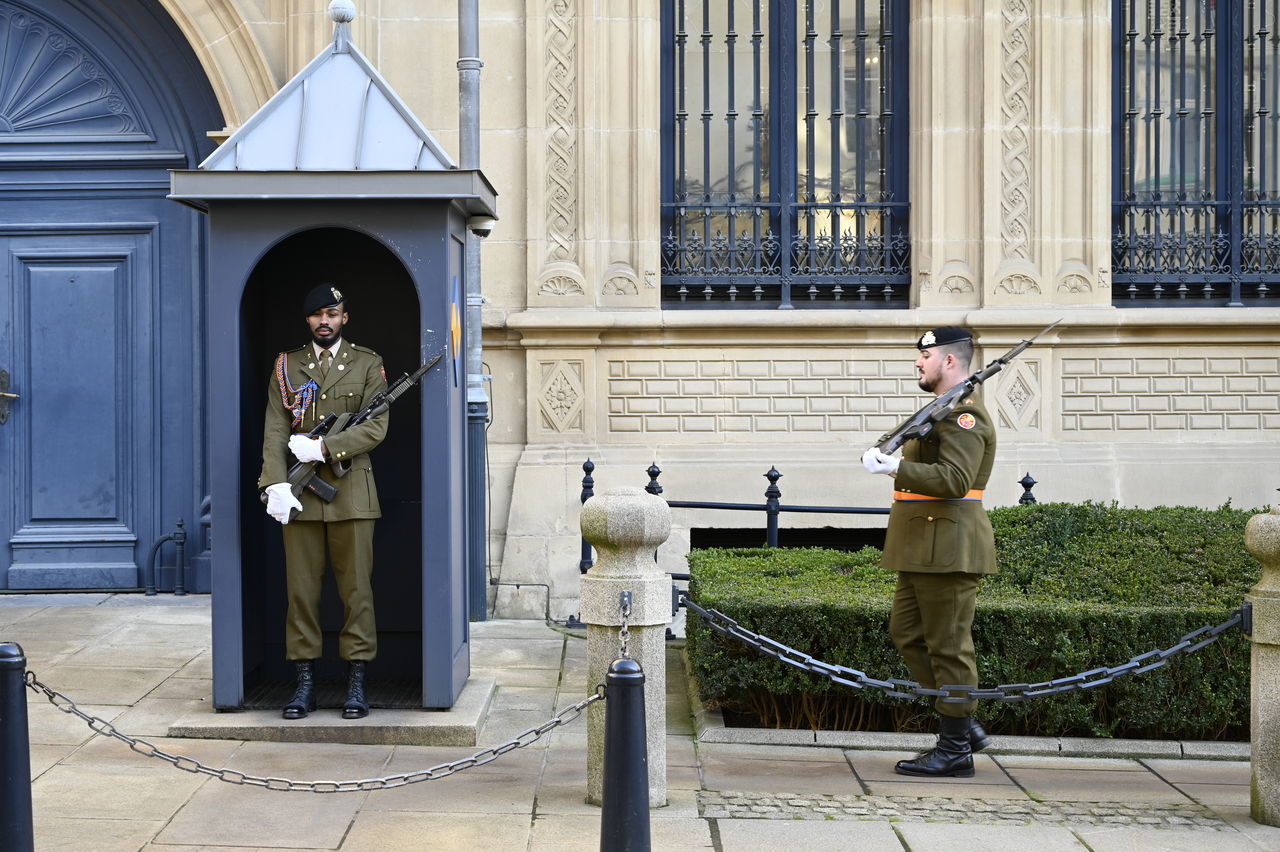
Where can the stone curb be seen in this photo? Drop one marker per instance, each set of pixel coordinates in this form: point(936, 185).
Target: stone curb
point(709, 727)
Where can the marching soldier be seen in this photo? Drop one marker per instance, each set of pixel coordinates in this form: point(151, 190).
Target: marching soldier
point(327, 375)
point(940, 542)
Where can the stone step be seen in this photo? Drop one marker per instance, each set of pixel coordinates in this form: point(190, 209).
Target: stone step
point(458, 726)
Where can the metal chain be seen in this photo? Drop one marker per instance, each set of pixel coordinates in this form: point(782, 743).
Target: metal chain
point(233, 776)
point(624, 635)
point(958, 694)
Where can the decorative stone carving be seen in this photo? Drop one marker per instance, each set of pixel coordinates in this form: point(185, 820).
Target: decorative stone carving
point(561, 395)
point(1015, 141)
point(1018, 398)
point(956, 284)
point(52, 86)
point(1018, 284)
point(620, 285)
point(1074, 283)
point(561, 285)
point(561, 182)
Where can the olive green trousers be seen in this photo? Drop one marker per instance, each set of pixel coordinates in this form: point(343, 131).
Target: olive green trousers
point(932, 627)
point(350, 548)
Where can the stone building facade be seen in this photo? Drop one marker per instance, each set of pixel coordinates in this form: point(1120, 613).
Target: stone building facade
point(1011, 157)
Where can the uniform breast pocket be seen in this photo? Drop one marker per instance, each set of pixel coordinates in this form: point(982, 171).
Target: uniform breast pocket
point(931, 541)
point(347, 397)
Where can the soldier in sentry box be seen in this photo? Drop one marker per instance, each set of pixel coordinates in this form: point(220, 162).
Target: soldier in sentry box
point(328, 375)
point(940, 542)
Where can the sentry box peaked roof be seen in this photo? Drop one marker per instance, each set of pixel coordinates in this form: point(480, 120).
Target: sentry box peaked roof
point(336, 130)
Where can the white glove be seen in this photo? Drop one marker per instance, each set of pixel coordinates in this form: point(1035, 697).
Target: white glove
point(877, 462)
point(280, 500)
point(307, 449)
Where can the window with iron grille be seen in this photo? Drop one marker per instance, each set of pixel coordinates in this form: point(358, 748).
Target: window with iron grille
point(784, 154)
point(1197, 166)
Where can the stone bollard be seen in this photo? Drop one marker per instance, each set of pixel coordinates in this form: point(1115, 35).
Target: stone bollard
point(626, 525)
point(1262, 538)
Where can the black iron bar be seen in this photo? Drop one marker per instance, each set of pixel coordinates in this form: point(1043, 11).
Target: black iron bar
point(15, 752)
point(624, 812)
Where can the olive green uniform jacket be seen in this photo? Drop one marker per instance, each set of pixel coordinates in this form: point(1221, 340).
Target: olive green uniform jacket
point(949, 534)
point(352, 381)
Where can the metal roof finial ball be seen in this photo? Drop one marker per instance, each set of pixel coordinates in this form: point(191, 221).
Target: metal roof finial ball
point(342, 11)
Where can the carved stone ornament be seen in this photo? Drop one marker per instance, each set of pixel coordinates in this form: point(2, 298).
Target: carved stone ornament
point(560, 396)
point(1018, 285)
point(620, 285)
point(52, 86)
point(1015, 140)
point(956, 284)
point(561, 285)
point(560, 188)
point(1075, 283)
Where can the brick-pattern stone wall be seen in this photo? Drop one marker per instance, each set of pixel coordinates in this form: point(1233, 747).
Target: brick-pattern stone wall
point(1173, 394)
point(759, 396)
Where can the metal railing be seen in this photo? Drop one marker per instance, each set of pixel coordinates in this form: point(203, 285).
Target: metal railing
point(773, 507)
point(1241, 617)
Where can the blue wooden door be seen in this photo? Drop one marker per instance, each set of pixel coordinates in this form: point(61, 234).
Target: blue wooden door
point(101, 293)
point(79, 430)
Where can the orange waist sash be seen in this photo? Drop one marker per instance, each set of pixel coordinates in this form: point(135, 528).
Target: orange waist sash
point(974, 494)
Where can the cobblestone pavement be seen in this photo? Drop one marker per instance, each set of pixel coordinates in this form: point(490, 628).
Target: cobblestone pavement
point(735, 805)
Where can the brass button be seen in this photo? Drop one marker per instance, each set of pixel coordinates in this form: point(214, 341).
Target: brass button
point(931, 517)
point(323, 396)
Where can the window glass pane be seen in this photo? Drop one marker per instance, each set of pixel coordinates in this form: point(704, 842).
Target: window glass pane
point(722, 100)
point(1261, 106)
point(841, 94)
point(1169, 100)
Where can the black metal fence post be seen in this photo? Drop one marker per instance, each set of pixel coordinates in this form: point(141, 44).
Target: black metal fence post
point(624, 814)
point(654, 472)
point(588, 491)
point(15, 754)
point(1027, 484)
point(772, 499)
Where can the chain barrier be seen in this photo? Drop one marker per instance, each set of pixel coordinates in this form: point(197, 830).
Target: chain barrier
point(624, 635)
point(233, 776)
point(957, 694)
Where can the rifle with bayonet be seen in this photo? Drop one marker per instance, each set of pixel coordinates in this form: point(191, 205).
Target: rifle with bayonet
point(304, 476)
point(921, 423)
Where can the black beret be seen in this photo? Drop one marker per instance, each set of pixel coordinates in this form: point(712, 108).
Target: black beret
point(943, 335)
point(321, 296)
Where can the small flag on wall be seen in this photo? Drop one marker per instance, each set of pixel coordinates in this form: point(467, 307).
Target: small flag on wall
point(455, 333)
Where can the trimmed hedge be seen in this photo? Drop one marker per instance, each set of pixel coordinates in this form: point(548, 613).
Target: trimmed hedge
point(1081, 586)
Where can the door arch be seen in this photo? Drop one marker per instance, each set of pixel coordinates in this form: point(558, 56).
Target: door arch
point(102, 314)
point(384, 308)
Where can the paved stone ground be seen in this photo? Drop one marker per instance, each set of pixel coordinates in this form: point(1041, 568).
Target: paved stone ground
point(144, 663)
point(734, 805)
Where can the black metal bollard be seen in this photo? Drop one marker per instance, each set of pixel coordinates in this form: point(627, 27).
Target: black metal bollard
point(624, 814)
point(15, 753)
point(586, 560)
point(772, 500)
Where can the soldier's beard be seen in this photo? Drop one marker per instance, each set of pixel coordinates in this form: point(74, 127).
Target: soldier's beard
point(327, 342)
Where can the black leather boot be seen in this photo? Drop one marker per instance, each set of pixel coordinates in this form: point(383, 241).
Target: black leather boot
point(952, 758)
point(978, 739)
point(304, 697)
point(357, 707)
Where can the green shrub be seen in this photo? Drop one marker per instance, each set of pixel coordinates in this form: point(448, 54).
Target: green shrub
point(1081, 586)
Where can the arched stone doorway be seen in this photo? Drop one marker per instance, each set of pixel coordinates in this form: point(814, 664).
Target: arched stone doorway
point(102, 319)
point(384, 310)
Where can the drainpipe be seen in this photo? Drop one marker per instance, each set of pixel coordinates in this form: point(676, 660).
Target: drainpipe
point(469, 66)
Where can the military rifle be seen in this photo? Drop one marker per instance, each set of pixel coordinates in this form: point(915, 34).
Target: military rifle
point(921, 423)
point(304, 476)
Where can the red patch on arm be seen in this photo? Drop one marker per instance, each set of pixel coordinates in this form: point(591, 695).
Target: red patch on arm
point(966, 421)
